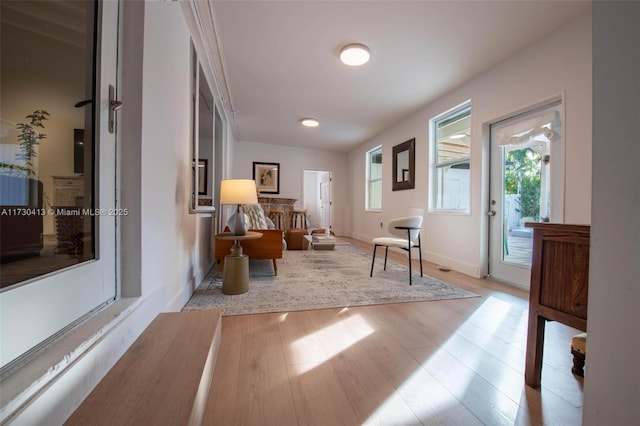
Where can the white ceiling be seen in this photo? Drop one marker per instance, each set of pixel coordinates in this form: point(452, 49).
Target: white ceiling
point(281, 63)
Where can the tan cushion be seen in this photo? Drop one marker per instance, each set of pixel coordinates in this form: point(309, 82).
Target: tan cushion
point(579, 343)
point(295, 239)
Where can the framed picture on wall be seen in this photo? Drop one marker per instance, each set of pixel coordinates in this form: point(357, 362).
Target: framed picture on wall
point(267, 177)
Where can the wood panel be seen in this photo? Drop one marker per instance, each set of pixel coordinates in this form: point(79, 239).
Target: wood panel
point(158, 380)
point(457, 361)
point(252, 386)
point(565, 270)
point(269, 246)
point(559, 286)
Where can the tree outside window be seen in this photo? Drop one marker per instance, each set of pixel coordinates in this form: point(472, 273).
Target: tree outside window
point(522, 177)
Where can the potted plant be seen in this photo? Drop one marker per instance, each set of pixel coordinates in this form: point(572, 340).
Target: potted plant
point(29, 137)
point(21, 177)
point(21, 194)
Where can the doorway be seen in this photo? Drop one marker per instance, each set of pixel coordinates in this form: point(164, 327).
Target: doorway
point(526, 171)
point(317, 198)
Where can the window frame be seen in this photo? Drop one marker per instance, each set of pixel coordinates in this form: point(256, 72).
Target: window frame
point(369, 180)
point(451, 115)
point(202, 159)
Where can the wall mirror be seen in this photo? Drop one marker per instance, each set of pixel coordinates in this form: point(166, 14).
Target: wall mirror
point(404, 159)
point(202, 163)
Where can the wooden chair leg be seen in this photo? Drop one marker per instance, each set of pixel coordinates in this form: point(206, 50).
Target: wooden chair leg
point(578, 363)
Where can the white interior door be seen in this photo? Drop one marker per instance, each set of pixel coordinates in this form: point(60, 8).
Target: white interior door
point(38, 309)
point(325, 200)
point(526, 171)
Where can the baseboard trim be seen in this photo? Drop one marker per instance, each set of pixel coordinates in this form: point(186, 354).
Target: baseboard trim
point(454, 264)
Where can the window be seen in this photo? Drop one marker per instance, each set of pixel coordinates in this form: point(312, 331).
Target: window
point(450, 160)
point(202, 149)
point(374, 179)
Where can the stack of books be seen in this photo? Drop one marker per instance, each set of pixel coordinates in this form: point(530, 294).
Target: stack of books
point(323, 242)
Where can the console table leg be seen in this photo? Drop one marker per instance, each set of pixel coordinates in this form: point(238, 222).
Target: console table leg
point(535, 344)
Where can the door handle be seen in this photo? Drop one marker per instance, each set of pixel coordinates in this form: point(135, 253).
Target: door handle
point(491, 212)
point(83, 103)
point(114, 105)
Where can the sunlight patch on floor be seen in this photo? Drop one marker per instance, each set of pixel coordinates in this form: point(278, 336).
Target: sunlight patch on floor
point(358, 330)
point(435, 387)
point(392, 411)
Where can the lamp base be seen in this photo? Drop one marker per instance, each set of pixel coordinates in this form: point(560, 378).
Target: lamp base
point(238, 223)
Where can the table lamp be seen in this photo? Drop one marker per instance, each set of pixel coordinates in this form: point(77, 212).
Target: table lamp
point(238, 191)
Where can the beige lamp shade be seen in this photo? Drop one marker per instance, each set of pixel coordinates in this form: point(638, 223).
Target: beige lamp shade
point(238, 191)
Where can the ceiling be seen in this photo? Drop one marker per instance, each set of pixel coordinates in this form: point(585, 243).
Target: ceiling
point(280, 60)
point(63, 21)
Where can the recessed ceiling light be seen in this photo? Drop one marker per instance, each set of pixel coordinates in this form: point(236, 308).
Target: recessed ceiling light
point(310, 122)
point(355, 54)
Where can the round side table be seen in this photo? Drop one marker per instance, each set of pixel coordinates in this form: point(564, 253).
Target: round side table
point(235, 279)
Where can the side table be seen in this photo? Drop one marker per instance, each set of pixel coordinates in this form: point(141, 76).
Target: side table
point(559, 286)
point(235, 279)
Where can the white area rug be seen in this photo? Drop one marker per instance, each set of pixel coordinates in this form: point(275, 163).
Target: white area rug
point(317, 279)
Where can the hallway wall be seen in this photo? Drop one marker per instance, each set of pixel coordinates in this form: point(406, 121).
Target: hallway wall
point(293, 161)
point(557, 65)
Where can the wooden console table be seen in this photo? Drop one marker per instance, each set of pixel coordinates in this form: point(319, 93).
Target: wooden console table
point(559, 286)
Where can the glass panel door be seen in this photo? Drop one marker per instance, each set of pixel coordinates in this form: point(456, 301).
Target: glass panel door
point(58, 168)
point(520, 189)
point(46, 142)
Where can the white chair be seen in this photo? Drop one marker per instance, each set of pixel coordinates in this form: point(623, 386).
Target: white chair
point(405, 231)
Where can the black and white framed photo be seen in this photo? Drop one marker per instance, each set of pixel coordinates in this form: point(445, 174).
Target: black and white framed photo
point(267, 177)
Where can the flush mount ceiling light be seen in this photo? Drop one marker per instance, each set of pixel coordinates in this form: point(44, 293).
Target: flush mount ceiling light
point(355, 54)
point(310, 122)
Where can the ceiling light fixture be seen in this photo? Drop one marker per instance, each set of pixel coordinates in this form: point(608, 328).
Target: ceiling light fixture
point(355, 54)
point(310, 122)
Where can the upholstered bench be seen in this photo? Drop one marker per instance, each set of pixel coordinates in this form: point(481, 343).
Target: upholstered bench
point(579, 352)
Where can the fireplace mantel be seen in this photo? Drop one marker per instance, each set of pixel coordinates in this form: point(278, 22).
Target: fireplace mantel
point(278, 209)
point(277, 200)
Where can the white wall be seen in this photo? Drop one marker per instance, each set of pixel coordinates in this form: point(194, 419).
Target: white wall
point(293, 162)
point(612, 378)
point(171, 243)
point(559, 64)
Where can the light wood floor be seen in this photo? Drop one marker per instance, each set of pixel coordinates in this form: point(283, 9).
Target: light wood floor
point(453, 362)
